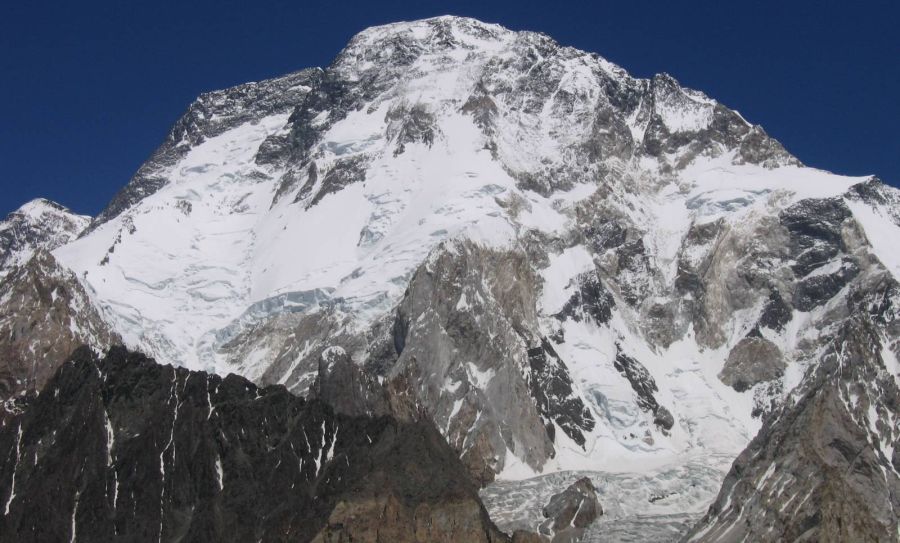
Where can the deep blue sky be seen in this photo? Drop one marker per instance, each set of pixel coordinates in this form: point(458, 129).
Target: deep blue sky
point(89, 89)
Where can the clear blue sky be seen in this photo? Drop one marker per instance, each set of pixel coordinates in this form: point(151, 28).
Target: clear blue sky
point(89, 89)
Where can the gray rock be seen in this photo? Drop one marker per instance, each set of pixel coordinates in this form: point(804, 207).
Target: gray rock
point(752, 361)
point(482, 108)
point(819, 289)
point(524, 536)
point(45, 313)
point(815, 229)
point(296, 341)
point(776, 313)
point(346, 388)
point(461, 337)
point(554, 395)
point(344, 172)
point(571, 511)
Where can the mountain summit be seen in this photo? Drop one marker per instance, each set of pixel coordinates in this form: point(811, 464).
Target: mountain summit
point(567, 271)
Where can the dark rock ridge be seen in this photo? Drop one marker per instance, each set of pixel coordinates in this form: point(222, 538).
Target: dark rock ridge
point(553, 393)
point(590, 299)
point(349, 389)
point(817, 241)
point(776, 313)
point(410, 124)
point(344, 172)
point(644, 387)
point(120, 448)
point(815, 228)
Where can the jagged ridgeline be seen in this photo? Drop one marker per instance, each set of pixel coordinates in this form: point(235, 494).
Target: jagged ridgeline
point(537, 266)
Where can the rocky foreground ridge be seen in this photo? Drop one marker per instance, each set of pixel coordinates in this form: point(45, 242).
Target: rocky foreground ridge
point(120, 448)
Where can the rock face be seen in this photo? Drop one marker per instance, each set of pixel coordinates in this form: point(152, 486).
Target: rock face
point(467, 340)
point(123, 448)
point(571, 511)
point(347, 388)
point(753, 360)
point(819, 469)
point(555, 264)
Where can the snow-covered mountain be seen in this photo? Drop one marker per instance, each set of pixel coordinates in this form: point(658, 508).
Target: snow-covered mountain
point(562, 267)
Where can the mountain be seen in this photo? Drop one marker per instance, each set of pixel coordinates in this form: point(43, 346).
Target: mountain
point(566, 270)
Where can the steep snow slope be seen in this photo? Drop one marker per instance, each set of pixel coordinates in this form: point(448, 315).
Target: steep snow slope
point(566, 267)
point(176, 267)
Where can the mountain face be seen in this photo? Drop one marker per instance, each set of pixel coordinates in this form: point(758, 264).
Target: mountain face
point(559, 267)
